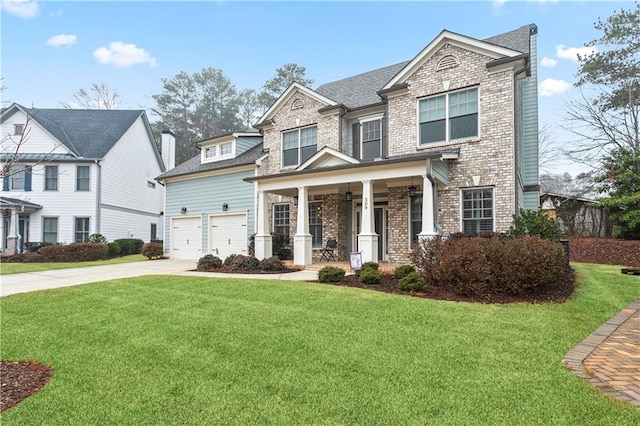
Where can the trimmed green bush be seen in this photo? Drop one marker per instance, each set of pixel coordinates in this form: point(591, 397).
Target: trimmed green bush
point(330, 274)
point(130, 245)
point(373, 266)
point(77, 252)
point(114, 248)
point(370, 276)
point(98, 239)
point(403, 270)
point(208, 263)
point(411, 282)
point(272, 264)
point(151, 250)
point(535, 223)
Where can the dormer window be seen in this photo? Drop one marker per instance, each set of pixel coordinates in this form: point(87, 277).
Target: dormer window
point(221, 151)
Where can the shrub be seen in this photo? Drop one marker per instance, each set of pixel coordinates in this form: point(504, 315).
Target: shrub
point(208, 263)
point(403, 270)
point(77, 252)
point(370, 276)
point(281, 246)
point(97, 239)
point(272, 264)
point(229, 260)
point(485, 266)
point(367, 265)
point(28, 257)
point(113, 248)
point(151, 250)
point(244, 263)
point(535, 223)
point(411, 282)
point(130, 245)
point(35, 247)
point(330, 274)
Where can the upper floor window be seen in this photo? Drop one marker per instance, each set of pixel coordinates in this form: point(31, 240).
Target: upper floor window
point(371, 139)
point(449, 117)
point(51, 178)
point(18, 178)
point(281, 219)
point(477, 210)
point(299, 145)
point(219, 152)
point(82, 178)
point(18, 129)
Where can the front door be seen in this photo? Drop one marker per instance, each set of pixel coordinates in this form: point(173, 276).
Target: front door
point(381, 222)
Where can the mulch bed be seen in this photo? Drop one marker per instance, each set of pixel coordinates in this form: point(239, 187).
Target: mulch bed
point(20, 380)
point(606, 251)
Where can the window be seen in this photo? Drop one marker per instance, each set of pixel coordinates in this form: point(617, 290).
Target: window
point(81, 229)
point(82, 178)
point(211, 153)
point(299, 145)
point(226, 149)
point(315, 223)
point(50, 230)
point(153, 235)
point(371, 139)
point(18, 179)
point(449, 117)
point(281, 219)
point(415, 219)
point(51, 178)
point(18, 129)
point(219, 152)
point(477, 210)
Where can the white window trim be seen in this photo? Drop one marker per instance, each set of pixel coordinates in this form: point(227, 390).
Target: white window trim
point(298, 129)
point(76, 182)
point(44, 180)
point(75, 229)
point(447, 140)
point(57, 227)
point(368, 119)
point(493, 205)
point(217, 149)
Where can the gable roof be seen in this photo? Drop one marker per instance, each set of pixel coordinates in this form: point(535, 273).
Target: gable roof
point(87, 133)
point(288, 93)
point(194, 165)
point(362, 90)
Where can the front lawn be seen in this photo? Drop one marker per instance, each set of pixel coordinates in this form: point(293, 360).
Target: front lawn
point(198, 350)
point(20, 268)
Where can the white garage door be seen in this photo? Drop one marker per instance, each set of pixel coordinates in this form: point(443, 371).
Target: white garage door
point(186, 238)
point(228, 235)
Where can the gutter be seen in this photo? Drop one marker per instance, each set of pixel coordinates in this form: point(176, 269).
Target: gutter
point(98, 196)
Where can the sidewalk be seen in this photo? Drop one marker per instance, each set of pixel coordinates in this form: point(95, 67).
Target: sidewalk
point(34, 281)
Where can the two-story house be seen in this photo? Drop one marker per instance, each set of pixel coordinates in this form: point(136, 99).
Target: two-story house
point(209, 209)
point(71, 173)
point(446, 142)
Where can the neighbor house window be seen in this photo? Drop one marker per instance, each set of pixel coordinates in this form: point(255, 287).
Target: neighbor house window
point(371, 139)
point(18, 179)
point(51, 178)
point(315, 223)
point(299, 145)
point(50, 230)
point(415, 219)
point(82, 178)
point(281, 219)
point(18, 129)
point(81, 229)
point(153, 235)
point(477, 210)
point(226, 149)
point(449, 117)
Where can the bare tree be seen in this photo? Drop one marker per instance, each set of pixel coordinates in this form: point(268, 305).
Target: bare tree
point(547, 149)
point(99, 96)
point(11, 148)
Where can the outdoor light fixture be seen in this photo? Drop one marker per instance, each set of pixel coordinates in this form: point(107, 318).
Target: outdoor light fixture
point(183, 210)
point(225, 207)
point(295, 200)
point(412, 189)
point(349, 194)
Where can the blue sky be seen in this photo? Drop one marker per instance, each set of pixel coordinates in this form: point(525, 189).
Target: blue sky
point(50, 49)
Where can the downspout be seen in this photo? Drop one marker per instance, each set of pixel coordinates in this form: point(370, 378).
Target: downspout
point(526, 68)
point(98, 195)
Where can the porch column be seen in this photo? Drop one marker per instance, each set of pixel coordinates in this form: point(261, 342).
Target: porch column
point(2, 240)
point(428, 219)
point(12, 237)
point(367, 238)
point(263, 239)
point(302, 241)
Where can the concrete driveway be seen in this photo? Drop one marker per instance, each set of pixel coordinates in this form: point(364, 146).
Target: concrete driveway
point(34, 281)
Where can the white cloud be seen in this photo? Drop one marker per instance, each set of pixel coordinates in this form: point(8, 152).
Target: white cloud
point(497, 4)
point(571, 53)
point(123, 55)
point(548, 62)
point(551, 86)
point(25, 9)
point(62, 40)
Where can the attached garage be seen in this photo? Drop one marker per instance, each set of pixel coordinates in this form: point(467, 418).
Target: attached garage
point(228, 234)
point(186, 237)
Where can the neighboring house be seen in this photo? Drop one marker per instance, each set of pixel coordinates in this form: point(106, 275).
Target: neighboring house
point(578, 216)
point(446, 142)
point(209, 209)
point(78, 172)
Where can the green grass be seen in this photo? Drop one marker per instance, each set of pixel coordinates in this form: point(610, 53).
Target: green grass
point(20, 268)
point(194, 350)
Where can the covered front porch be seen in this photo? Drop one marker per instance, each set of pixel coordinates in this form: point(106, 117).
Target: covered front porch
point(14, 226)
point(376, 208)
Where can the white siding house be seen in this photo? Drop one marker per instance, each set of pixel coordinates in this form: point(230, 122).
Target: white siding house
point(68, 174)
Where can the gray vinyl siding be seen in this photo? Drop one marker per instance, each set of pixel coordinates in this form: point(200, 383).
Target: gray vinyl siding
point(205, 195)
point(244, 144)
point(530, 129)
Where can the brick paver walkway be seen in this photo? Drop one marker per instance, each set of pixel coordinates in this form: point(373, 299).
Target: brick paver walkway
point(610, 357)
